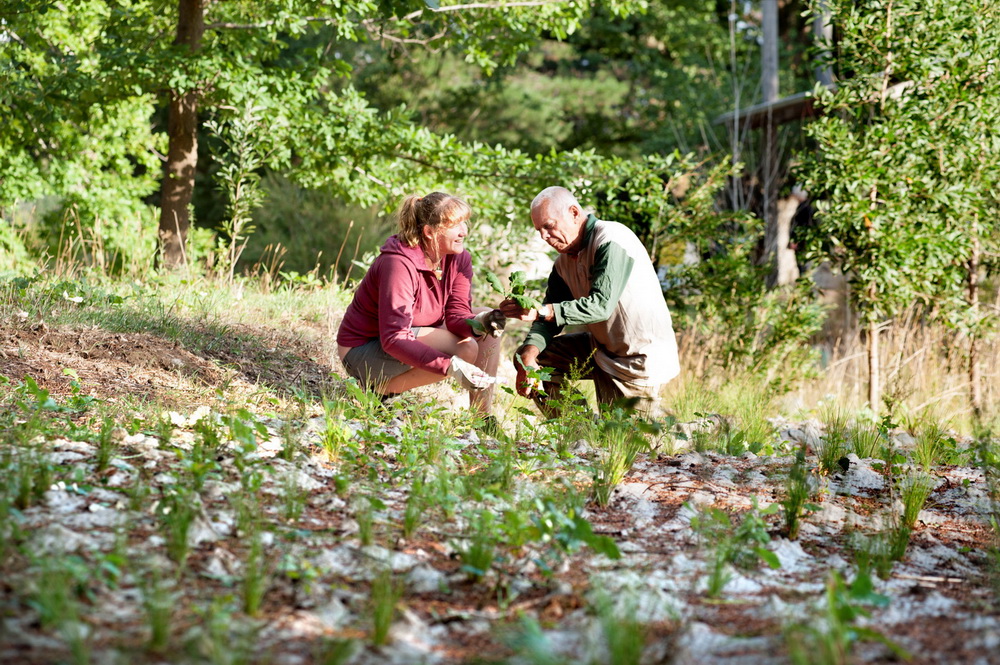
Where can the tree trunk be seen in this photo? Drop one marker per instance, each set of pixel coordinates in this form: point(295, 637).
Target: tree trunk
point(182, 154)
point(975, 387)
point(823, 33)
point(769, 163)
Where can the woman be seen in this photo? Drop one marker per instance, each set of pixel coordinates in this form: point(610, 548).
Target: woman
point(407, 325)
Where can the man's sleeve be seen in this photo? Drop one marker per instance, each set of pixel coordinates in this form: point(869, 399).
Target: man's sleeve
point(608, 276)
point(542, 332)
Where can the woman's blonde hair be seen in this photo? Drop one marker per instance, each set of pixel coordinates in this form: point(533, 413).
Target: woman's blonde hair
point(434, 210)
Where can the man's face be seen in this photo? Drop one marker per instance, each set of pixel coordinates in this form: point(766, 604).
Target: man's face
point(560, 226)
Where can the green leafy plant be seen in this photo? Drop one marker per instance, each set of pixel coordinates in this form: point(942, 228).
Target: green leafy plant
point(559, 527)
point(741, 543)
point(515, 290)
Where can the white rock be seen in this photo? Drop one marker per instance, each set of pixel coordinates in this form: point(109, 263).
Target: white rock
point(425, 579)
point(792, 557)
point(57, 539)
point(62, 502)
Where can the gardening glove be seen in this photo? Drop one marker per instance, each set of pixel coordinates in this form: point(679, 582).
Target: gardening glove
point(491, 322)
point(468, 375)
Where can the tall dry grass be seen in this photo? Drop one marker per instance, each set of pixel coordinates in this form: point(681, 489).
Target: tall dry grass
point(924, 364)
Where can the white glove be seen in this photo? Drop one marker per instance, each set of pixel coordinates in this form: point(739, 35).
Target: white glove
point(468, 375)
point(492, 322)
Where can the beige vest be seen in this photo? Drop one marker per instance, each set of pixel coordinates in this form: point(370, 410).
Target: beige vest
point(636, 344)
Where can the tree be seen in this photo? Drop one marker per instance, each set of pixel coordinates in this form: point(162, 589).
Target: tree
point(904, 164)
point(215, 58)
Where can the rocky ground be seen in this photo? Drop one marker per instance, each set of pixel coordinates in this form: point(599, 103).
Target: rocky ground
point(330, 534)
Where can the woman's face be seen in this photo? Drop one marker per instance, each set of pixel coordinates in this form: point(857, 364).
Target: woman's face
point(448, 240)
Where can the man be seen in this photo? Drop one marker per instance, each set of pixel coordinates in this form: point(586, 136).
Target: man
point(602, 280)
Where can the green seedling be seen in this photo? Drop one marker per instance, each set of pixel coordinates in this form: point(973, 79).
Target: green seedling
point(797, 492)
point(477, 553)
point(914, 489)
point(255, 577)
point(741, 544)
point(831, 639)
point(176, 511)
point(515, 291)
point(386, 592)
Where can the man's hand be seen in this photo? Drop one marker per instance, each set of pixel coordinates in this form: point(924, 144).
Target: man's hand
point(526, 359)
point(512, 310)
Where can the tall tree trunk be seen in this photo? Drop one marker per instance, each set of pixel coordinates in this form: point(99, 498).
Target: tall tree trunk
point(182, 153)
point(769, 163)
point(975, 387)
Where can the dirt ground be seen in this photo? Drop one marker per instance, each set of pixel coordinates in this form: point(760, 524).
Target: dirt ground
point(943, 609)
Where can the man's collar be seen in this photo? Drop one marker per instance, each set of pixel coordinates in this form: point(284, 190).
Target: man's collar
point(588, 230)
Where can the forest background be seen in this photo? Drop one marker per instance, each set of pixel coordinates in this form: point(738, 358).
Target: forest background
point(267, 142)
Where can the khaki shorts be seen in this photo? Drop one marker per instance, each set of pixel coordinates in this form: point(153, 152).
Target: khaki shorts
point(372, 366)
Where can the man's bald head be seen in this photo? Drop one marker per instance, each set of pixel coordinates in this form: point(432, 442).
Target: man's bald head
point(559, 219)
point(554, 196)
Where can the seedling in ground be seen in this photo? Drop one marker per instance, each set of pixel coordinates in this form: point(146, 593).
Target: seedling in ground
point(831, 638)
point(385, 594)
point(796, 495)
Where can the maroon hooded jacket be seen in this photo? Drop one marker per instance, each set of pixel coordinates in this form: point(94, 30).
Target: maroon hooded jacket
point(399, 293)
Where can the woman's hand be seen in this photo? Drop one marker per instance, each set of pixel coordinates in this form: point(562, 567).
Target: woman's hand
point(469, 376)
point(492, 321)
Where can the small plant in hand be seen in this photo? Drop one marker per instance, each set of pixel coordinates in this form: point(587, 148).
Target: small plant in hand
point(516, 290)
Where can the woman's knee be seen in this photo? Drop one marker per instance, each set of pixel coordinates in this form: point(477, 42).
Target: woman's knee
point(468, 350)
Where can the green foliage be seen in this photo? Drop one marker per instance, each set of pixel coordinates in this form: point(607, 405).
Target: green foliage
point(901, 170)
point(477, 552)
point(515, 291)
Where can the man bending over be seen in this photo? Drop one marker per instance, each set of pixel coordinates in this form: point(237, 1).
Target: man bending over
point(604, 281)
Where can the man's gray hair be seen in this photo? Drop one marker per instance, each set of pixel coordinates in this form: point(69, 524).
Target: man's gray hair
point(555, 196)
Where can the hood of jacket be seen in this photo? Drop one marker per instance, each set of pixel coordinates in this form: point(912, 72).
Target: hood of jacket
point(415, 255)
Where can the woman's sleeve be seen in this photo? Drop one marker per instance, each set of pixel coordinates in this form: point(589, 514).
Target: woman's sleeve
point(458, 301)
point(397, 292)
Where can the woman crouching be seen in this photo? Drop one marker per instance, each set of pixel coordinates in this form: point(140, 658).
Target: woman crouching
point(406, 326)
